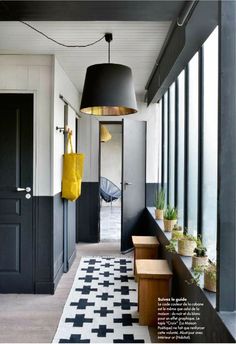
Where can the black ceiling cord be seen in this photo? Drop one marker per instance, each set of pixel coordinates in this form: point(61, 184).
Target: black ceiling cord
point(59, 43)
point(9, 15)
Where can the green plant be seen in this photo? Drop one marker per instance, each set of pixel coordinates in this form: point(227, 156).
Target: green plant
point(171, 247)
point(177, 228)
point(160, 199)
point(210, 269)
point(200, 250)
point(197, 272)
point(187, 236)
point(170, 213)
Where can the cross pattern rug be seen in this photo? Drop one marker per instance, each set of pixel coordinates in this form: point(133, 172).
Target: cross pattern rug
point(102, 304)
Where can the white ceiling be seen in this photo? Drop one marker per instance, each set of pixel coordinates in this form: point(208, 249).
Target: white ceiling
point(136, 44)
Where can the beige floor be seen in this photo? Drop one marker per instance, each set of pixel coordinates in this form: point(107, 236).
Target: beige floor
point(34, 318)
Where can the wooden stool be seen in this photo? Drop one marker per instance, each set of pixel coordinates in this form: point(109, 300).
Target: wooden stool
point(154, 280)
point(145, 247)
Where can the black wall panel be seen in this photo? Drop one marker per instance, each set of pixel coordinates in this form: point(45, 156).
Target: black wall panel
point(88, 213)
point(43, 244)
point(49, 243)
point(58, 235)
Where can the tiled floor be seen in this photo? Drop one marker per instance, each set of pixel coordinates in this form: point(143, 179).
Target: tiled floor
point(110, 223)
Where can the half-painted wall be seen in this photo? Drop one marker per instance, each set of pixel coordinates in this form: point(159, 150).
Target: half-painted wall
point(42, 76)
point(62, 86)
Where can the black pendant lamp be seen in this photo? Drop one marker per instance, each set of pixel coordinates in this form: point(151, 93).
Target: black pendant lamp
point(108, 89)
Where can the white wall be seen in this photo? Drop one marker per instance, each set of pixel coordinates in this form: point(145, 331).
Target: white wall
point(63, 86)
point(89, 138)
point(111, 155)
point(33, 74)
point(88, 143)
point(44, 77)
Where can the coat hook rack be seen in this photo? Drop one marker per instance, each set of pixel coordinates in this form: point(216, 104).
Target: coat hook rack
point(60, 129)
point(64, 130)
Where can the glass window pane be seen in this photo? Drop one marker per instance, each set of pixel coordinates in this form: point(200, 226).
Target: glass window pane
point(171, 180)
point(210, 128)
point(159, 173)
point(181, 129)
point(165, 140)
point(193, 146)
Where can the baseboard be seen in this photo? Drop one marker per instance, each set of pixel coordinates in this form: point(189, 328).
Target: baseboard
point(58, 276)
point(71, 259)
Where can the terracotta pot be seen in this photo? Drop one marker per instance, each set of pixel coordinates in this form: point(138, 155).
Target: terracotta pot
point(186, 247)
point(209, 282)
point(176, 235)
point(159, 214)
point(169, 225)
point(199, 261)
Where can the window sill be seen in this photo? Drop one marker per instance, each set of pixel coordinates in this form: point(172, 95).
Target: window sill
point(228, 318)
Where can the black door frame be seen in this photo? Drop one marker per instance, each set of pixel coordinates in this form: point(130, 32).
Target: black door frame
point(35, 205)
point(99, 168)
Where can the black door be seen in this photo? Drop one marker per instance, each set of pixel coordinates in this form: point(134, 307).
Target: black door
point(16, 174)
point(133, 179)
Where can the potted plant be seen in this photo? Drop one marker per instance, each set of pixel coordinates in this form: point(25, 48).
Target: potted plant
point(196, 273)
point(171, 247)
point(177, 232)
point(187, 244)
point(159, 204)
point(200, 257)
point(170, 218)
point(210, 277)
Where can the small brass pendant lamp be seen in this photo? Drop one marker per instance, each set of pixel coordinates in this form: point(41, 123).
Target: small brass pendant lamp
point(108, 89)
point(105, 135)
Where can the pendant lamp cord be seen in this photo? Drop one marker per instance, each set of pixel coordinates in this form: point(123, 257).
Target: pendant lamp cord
point(109, 52)
point(107, 36)
point(59, 43)
point(108, 39)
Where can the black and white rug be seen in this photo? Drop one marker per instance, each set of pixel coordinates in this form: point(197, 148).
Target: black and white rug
point(102, 304)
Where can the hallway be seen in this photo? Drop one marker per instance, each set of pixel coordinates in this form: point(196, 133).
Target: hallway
point(110, 223)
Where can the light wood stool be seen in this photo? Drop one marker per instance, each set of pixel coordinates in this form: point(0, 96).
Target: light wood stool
point(145, 247)
point(154, 280)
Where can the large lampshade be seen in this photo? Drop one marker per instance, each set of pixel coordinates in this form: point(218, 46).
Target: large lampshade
point(108, 91)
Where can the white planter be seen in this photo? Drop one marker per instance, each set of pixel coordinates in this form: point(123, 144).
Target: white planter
point(159, 214)
point(209, 281)
point(169, 225)
point(186, 247)
point(199, 261)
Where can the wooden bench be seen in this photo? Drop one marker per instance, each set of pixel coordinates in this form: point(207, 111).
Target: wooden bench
point(154, 280)
point(145, 247)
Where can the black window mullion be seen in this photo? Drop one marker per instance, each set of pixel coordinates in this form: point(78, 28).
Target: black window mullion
point(200, 141)
point(163, 144)
point(176, 140)
point(186, 147)
point(168, 146)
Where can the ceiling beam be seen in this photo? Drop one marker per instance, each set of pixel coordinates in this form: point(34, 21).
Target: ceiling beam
point(182, 44)
point(90, 10)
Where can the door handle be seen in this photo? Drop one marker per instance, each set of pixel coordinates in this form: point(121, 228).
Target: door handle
point(126, 184)
point(27, 189)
